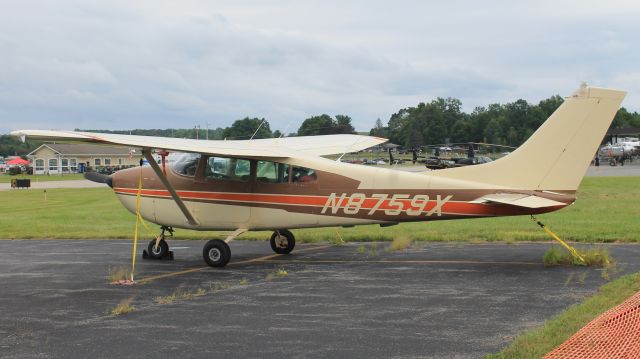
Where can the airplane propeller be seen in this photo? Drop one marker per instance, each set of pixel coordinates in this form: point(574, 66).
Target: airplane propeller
point(99, 178)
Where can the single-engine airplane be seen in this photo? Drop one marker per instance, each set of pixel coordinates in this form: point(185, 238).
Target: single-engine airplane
point(283, 183)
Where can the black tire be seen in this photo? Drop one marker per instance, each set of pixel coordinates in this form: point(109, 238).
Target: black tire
point(286, 243)
point(158, 252)
point(216, 253)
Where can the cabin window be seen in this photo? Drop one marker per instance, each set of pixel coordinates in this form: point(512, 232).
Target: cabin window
point(230, 169)
point(272, 172)
point(39, 164)
point(303, 175)
point(187, 164)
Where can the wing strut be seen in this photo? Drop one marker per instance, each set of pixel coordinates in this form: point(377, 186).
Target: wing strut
point(190, 218)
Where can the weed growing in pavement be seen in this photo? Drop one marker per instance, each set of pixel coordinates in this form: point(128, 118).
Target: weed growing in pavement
point(569, 279)
point(117, 273)
point(280, 272)
point(373, 250)
point(557, 255)
point(581, 277)
point(399, 243)
point(361, 249)
point(178, 294)
point(609, 270)
point(217, 286)
point(337, 240)
point(123, 307)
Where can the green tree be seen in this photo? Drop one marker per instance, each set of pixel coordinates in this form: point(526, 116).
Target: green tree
point(624, 118)
point(316, 125)
point(379, 130)
point(245, 128)
point(493, 132)
point(325, 125)
point(343, 124)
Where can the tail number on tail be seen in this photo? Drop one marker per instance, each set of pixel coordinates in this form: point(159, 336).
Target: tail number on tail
point(391, 205)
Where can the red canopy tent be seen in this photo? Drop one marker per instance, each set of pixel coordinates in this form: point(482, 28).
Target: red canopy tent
point(17, 161)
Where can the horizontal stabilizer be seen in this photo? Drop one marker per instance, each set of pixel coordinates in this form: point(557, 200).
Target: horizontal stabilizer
point(519, 200)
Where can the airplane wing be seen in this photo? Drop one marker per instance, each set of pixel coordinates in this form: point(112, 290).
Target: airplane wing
point(269, 147)
point(519, 200)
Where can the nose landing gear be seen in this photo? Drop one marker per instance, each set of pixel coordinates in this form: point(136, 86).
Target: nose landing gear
point(158, 248)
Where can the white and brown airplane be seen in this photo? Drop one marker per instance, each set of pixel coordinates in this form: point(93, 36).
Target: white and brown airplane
point(284, 183)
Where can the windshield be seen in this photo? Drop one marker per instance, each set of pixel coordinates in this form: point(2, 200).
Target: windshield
point(187, 164)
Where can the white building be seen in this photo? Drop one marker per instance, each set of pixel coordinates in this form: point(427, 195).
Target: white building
point(77, 158)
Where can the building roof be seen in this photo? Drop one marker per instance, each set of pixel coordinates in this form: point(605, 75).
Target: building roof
point(85, 149)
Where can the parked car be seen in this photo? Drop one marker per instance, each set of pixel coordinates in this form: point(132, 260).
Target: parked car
point(469, 161)
point(437, 163)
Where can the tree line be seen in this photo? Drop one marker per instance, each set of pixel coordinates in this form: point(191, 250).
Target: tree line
point(443, 121)
point(439, 121)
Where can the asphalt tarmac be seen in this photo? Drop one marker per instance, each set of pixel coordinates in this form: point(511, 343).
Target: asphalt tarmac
point(433, 300)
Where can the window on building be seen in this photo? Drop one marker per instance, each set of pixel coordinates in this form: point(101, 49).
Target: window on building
point(187, 164)
point(272, 172)
point(39, 164)
point(53, 165)
point(232, 169)
point(73, 165)
point(65, 165)
point(120, 161)
point(107, 161)
point(97, 162)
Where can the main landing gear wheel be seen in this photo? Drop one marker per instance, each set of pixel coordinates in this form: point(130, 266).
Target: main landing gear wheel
point(159, 251)
point(216, 253)
point(282, 241)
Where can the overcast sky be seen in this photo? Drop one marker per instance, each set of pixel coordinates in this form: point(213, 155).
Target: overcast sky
point(153, 64)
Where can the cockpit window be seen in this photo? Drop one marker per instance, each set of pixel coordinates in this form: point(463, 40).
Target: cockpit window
point(187, 164)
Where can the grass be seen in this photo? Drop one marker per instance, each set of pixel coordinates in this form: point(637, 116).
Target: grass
point(557, 255)
point(123, 307)
point(178, 294)
point(606, 211)
point(5, 178)
point(181, 294)
point(537, 342)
